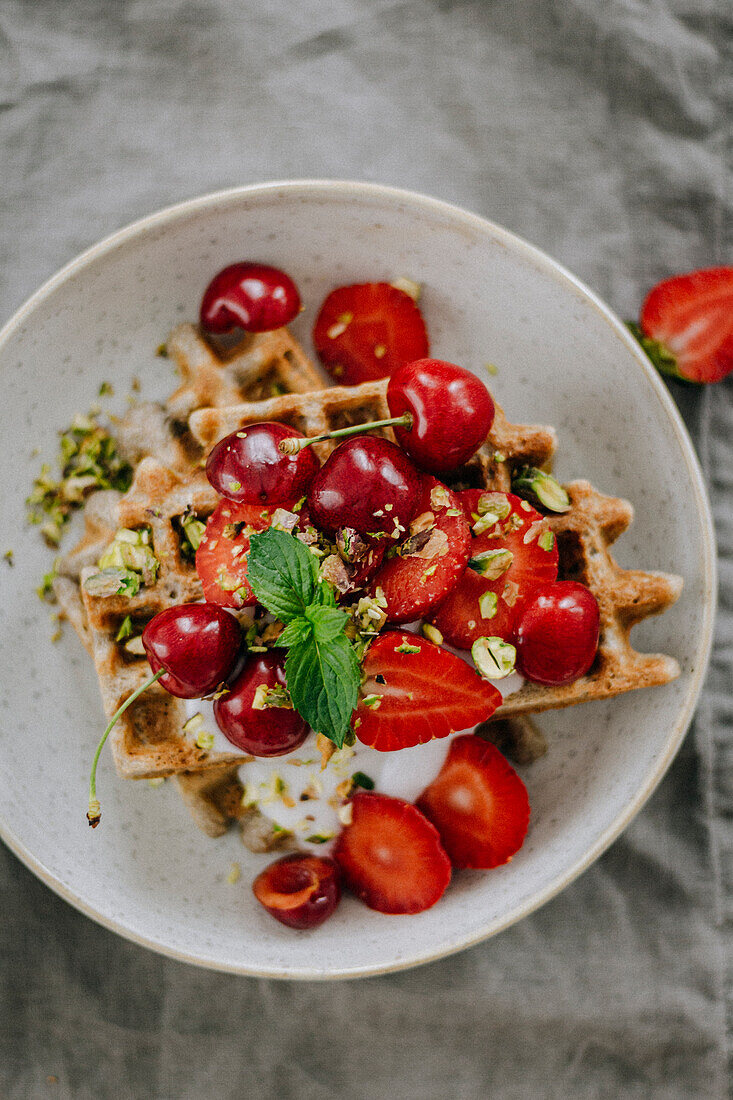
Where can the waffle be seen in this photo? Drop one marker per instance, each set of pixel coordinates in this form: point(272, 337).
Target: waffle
point(148, 741)
point(584, 535)
point(258, 367)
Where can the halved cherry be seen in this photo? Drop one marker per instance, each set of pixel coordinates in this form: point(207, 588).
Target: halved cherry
point(367, 330)
point(391, 856)
point(429, 561)
point(301, 891)
point(514, 552)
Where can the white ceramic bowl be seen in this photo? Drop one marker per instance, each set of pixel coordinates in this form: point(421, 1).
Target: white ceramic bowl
point(563, 359)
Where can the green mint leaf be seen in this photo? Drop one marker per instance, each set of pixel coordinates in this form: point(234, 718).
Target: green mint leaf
point(323, 679)
point(283, 574)
point(327, 622)
point(298, 630)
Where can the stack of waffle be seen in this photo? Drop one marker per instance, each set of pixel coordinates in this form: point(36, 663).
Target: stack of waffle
point(270, 378)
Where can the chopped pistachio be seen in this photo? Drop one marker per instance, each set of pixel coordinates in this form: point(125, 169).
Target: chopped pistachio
point(135, 647)
point(156, 782)
point(318, 838)
point(125, 629)
point(235, 873)
point(193, 531)
point(266, 697)
point(106, 389)
point(405, 647)
point(546, 541)
point(205, 741)
point(440, 497)
point(499, 456)
point(407, 286)
point(495, 504)
point(432, 633)
point(8, 555)
point(194, 723)
point(373, 701)
point(491, 564)
point(491, 368)
point(345, 813)
point(493, 657)
point(113, 582)
point(488, 604)
point(162, 351)
point(541, 487)
point(45, 589)
point(130, 550)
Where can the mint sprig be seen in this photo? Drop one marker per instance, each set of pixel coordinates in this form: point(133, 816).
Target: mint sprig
point(321, 668)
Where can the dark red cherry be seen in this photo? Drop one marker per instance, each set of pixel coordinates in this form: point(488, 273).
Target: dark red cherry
point(196, 643)
point(452, 413)
point(253, 725)
point(252, 296)
point(557, 633)
point(248, 467)
point(367, 483)
point(301, 891)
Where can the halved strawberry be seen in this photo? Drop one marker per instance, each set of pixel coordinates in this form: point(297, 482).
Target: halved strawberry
point(478, 804)
point(414, 691)
point(391, 856)
point(687, 325)
point(367, 330)
point(221, 559)
point(429, 562)
point(521, 550)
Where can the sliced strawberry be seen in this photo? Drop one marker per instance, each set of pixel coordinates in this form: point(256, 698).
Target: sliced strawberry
point(687, 325)
point(411, 697)
point(367, 330)
point(391, 856)
point(429, 562)
point(478, 804)
point(468, 613)
point(221, 559)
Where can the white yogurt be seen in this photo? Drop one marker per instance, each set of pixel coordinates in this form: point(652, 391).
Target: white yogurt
point(298, 795)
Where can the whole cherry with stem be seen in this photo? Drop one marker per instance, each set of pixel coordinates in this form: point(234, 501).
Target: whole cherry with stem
point(191, 648)
point(249, 467)
point(441, 414)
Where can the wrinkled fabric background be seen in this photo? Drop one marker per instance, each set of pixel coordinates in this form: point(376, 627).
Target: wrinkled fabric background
point(600, 131)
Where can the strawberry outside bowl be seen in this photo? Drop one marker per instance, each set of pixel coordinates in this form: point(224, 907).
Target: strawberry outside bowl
point(564, 359)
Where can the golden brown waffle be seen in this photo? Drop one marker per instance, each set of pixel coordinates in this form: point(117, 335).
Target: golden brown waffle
point(584, 535)
point(148, 741)
point(258, 367)
point(625, 597)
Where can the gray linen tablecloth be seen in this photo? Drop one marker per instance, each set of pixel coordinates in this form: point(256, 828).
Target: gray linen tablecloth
point(597, 129)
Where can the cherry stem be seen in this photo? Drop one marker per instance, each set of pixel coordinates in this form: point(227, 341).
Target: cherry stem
point(94, 813)
point(292, 445)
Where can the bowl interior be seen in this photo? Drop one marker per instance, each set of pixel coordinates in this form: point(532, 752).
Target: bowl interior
point(561, 359)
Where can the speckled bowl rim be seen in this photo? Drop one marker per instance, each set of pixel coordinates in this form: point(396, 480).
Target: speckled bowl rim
point(393, 196)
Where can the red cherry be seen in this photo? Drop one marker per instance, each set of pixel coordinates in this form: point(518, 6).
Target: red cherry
point(367, 483)
point(252, 296)
point(249, 468)
point(197, 644)
point(301, 891)
point(452, 412)
point(557, 634)
point(271, 731)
